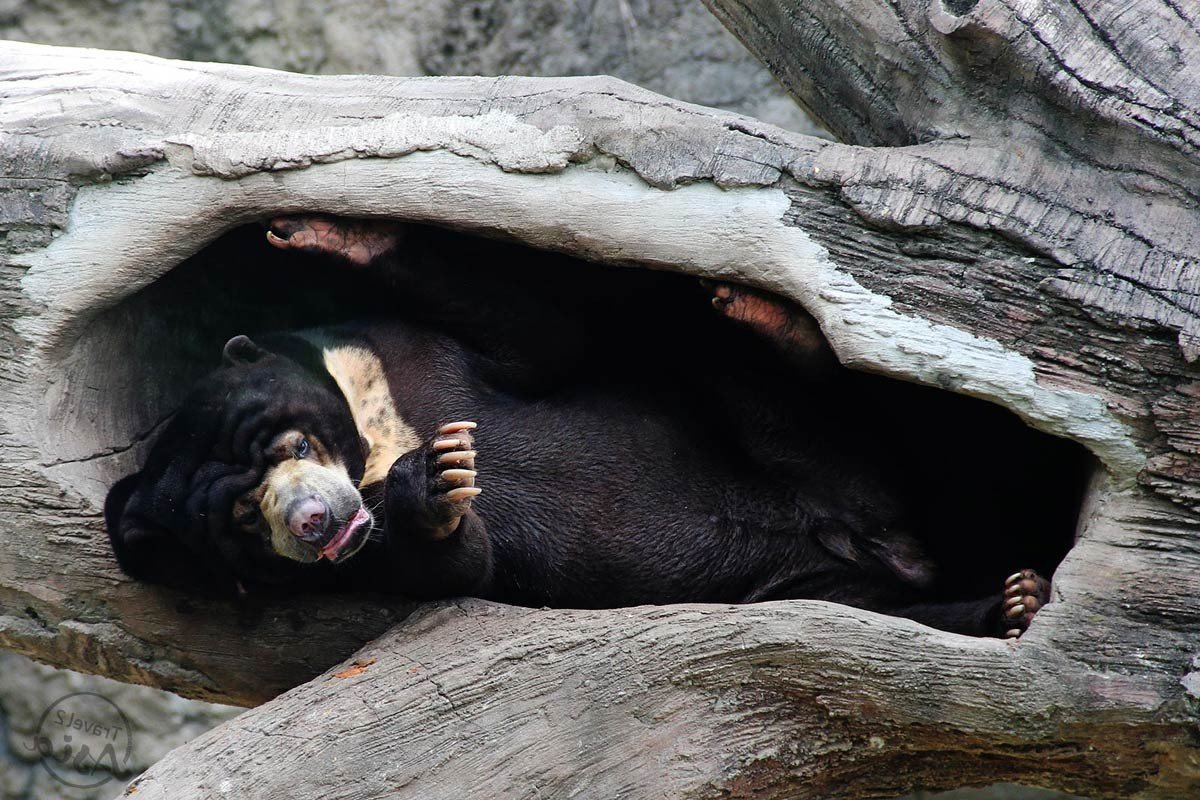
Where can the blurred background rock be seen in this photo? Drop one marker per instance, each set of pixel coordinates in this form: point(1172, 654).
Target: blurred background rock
point(674, 47)
point(160, 721)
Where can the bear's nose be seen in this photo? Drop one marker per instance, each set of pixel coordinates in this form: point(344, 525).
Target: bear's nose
point(307, 518)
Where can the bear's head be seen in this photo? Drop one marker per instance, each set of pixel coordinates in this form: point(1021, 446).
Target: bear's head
point(253, 481)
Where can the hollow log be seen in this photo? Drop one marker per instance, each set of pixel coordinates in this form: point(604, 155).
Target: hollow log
point(1041, 260)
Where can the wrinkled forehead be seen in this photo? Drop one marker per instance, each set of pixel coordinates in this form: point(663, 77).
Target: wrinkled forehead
point(240, 412)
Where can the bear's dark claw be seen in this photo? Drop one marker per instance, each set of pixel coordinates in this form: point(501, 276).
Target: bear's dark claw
point(1025, 593)
point(723, 295)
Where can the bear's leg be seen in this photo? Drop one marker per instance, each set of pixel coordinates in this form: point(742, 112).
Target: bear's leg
point(1008, 614)
point(438, 544)
point(520, 321)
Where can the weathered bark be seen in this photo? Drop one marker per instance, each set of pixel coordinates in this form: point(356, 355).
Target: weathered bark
point(1007, 265)
point(773, 700)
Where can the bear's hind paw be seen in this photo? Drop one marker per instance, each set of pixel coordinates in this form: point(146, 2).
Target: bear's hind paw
point(1025, 593)
point(359, 241)
point(774, 318)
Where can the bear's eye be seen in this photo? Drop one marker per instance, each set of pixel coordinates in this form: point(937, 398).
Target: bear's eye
point(301, 449)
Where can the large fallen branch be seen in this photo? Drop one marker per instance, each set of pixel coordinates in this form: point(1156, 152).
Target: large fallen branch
point(774, 700)
point(991, 260)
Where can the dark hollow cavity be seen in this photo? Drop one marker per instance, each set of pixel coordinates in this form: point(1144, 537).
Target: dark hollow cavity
point(959, 7)
point(986, 493)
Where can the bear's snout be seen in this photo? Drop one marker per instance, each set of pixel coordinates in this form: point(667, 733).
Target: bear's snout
point(308, 517)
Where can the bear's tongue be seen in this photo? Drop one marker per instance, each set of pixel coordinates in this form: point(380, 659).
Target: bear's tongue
point(339, 540)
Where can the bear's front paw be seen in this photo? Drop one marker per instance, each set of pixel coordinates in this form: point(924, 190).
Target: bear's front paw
point(451, 474)
point(430, 489)
point(1025, 593)
point(359, 241)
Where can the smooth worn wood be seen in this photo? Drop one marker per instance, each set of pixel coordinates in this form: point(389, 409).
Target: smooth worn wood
point(1000, 264)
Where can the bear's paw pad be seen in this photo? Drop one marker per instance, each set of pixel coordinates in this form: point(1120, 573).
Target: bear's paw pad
point(773, 318)
point(358, 241)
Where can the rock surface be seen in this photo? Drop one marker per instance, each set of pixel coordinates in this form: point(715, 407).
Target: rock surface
point(32, 693)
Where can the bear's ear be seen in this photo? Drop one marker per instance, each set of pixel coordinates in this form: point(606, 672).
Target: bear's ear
point(115, 502)
point(138, 544)
point(144, 550)
point(240, 350)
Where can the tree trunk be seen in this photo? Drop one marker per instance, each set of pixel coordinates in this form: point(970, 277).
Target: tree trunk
point(1040, 262)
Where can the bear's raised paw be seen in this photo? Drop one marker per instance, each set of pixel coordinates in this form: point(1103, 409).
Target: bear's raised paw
point(429, 489)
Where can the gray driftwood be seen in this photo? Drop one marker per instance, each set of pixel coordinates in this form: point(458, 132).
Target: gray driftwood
point(1035, 248)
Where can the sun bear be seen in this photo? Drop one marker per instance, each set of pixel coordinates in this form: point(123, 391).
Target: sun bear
point(516, 432)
